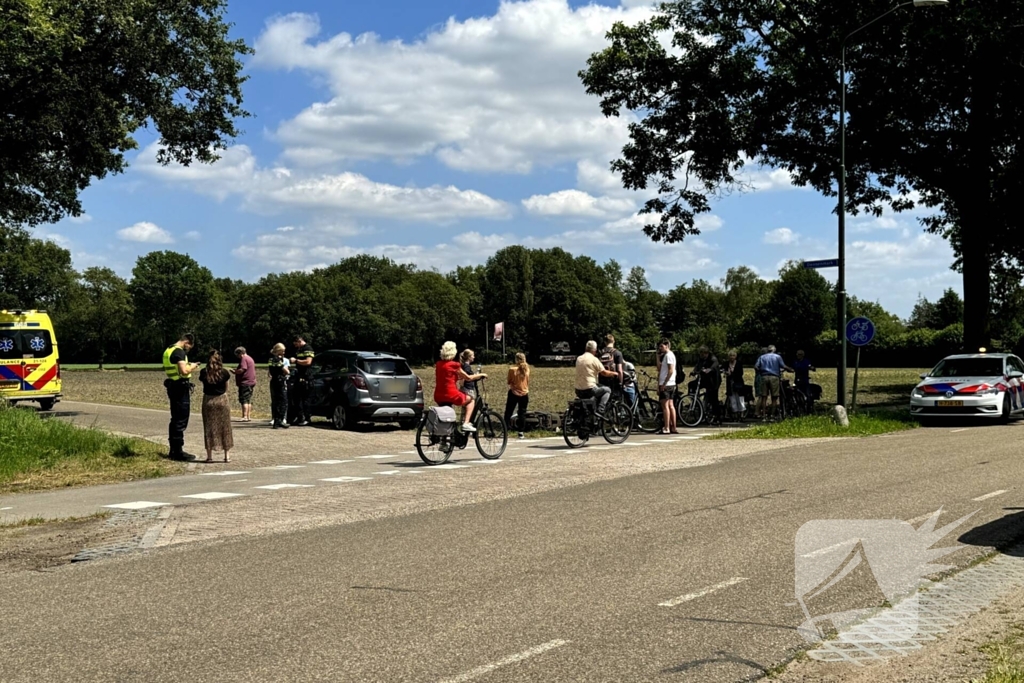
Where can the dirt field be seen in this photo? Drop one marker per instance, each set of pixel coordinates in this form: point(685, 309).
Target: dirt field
point(550, 388)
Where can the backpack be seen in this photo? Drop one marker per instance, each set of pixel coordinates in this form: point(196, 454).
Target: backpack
point(628, 373)
point(607, 358)
point(680, 374)
point(441, 421)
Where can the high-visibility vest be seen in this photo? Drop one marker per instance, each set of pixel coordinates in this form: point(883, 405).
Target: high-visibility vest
point(172, 368)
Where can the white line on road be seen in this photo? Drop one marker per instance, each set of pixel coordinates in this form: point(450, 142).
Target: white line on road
point(536, 456)
point(446, 466)
point(390, 472)
point(954, 431)
point(225, 473)
point(637, 443)
point(485, 462)
point(915, 520)
point(212, 495)
point(825, 551)
point(275, 487)
point(343, 480)
point(137, 505)
point(989, 495)
point(702, 592)
point(284, 467)
point(512, 659)
point(328, 462)
point(375, 457)
point(1, 509)
point(235, 481)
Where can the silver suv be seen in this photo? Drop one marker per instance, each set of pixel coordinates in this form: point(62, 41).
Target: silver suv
point(365, 386)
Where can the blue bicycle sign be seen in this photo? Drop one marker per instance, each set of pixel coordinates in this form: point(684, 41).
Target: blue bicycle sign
point(860, 331)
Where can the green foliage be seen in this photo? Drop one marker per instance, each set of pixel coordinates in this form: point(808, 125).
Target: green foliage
point(817, 426)
point(33, 273)
point(172, 293)
point(79, 78)
point(102, 315)
point(935, 115)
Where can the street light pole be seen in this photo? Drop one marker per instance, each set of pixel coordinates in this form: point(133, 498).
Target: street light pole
point(841, 278)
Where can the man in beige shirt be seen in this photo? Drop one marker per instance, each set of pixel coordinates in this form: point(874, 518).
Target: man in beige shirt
point(588, 369)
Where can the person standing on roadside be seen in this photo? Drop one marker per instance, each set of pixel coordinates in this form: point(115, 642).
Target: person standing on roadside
point(303, 362)
point(611, 358)
point(770, 365)
point(518, 393)
point(245, 378)
point(667, 386)
point(279, 368)
point(711, 380)
point(179, 393)
point(217, 434)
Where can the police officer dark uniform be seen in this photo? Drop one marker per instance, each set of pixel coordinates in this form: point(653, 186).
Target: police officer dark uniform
point(278, 386)
point(303, 386)
point(179, 393)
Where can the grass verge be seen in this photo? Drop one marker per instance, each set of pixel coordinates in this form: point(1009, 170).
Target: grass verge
point(40, 453)
point(818, 426)
point(1006, 658)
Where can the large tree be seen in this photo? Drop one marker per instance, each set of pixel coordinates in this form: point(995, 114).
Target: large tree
point(173, 294)
point(936, 107)
point(34, 273)
point(77, 79)
point(105, 313)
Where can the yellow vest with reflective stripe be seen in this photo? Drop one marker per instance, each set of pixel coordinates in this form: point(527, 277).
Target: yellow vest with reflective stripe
point(172, 368)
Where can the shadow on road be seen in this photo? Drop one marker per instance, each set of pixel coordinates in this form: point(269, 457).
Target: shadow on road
point(1004, 534)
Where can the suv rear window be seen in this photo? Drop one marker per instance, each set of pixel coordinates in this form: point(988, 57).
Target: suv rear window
point(19, 344)
point(384, 366)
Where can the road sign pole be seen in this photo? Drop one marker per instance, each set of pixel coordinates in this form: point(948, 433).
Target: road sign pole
point(856, 377)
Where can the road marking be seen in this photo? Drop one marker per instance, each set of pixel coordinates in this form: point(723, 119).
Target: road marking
point(1, 509)
point(375, 457)
point(389, 472)
point(824, 551)
point(275, 487)
point(989, 495)
point(212, 495)
point(346, 479)
point(702, 592)
point(235, 481)
point(284, 467)
point(638, 443)
point(137, 505)
point(686, 438)
point(954, 431)
point(328, 462)
point(407, 453)
point(603, 448)
point(446, 466)
point(225, 473)
point(484, 462)
point(511, 659)
point(535, 456)
point(415, 472)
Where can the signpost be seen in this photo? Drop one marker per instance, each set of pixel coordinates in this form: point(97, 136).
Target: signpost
point(823, 263)
point(859, 332)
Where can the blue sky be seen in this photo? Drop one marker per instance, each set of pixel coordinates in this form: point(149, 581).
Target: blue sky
point(438, 131)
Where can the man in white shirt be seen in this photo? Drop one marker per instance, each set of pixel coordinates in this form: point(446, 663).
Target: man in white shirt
point(588, 369)
point(667, 386)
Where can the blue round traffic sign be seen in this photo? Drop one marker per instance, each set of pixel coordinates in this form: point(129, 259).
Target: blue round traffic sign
point(860, 331)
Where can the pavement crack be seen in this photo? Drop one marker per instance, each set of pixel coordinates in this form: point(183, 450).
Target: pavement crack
point(721, 506)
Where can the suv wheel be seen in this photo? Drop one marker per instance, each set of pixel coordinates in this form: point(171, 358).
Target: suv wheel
point(339, 417)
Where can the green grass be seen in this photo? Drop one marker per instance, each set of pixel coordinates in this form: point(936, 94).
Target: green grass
point(1006, 659)
point(817, 426)
point(41, 453)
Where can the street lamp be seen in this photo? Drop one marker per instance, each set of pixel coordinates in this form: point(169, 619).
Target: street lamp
point(841, 279)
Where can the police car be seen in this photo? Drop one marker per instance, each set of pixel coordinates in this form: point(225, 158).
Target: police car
point(982, 385)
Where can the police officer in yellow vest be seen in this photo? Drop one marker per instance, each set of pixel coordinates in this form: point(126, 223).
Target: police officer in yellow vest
point(179, 392)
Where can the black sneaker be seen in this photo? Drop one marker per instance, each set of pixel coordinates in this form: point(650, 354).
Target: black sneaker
point(303, 423)
point(180, 456)
point(285, 425)
point(276, 426)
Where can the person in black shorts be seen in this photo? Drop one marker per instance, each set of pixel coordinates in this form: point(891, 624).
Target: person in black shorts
point(303, 364)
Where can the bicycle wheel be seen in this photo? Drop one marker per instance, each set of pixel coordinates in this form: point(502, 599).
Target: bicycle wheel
point(619, 424)
point(690, 410)
point(433, 450)
point(574, 433)
point(491, 435)
point(648, 415)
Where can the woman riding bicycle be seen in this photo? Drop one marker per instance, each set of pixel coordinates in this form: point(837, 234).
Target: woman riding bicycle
point(447, 372)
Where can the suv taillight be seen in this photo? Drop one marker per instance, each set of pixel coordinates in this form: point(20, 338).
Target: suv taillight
point(358, 380)
point(419, 384)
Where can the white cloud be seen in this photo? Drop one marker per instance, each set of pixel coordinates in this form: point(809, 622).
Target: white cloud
point(237, 173)
point(577, 204)
point(708, 222)
point(497, 93)
point(193, 235)
point(84, 218)
point(145, 232)
point(781, 236)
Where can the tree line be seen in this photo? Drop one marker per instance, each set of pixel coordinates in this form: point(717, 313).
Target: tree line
point(543, 296)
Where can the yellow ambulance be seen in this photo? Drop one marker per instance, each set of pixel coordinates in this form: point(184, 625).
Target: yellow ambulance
point(29, 364)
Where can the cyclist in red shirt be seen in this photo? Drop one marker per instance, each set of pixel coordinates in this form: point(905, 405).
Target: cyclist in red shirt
point(447, 373)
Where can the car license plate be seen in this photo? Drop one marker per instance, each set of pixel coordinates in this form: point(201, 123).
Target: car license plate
point(949, 404)
point(10, 384)
point(394, 386)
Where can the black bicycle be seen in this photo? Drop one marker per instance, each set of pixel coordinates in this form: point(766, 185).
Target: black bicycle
point(691, 407)
point(581, 420)
point(491, 434)
point(646, 411)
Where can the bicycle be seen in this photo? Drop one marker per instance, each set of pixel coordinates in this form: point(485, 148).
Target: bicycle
point(646, 411)
point(491, 435)
point(581, 420)
point(691, 407)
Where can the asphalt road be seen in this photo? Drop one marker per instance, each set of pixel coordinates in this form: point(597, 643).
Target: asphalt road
point(684, 574)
